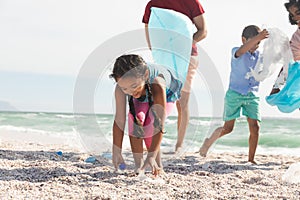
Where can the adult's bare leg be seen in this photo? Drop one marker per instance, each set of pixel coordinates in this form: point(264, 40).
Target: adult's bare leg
point(183, 103)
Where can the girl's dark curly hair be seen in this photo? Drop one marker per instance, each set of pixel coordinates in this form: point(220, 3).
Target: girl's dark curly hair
point(128, 65)
point(288, 5)
point(136, 66)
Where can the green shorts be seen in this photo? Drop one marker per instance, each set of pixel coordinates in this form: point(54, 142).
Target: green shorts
point(235, 101)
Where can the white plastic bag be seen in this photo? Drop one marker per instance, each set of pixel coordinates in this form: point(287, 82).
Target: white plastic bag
point(276, 54)
point(292, 175)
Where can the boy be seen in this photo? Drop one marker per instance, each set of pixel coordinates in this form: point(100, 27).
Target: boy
point(242, 92)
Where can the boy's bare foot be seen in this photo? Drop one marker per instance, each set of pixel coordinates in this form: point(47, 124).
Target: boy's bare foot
point(204, 148)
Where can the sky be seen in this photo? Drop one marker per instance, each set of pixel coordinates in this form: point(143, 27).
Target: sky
point(46, 44)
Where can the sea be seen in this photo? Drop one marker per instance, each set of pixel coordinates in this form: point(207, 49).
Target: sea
point(93, 132)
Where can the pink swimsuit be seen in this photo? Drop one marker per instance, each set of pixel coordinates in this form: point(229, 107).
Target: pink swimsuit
point(141, 109)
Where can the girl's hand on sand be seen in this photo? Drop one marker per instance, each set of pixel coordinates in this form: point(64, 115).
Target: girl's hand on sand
point(152, 163)
point(117, 158)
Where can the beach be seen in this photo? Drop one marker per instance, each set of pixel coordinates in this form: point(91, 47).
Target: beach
point(37, 171)
point(43, 156)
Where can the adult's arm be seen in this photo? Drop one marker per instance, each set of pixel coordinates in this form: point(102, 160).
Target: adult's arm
point(200, 24)
point(147, 36)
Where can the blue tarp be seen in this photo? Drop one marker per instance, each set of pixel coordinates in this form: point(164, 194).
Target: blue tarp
point(171, 37)
point(288, 99)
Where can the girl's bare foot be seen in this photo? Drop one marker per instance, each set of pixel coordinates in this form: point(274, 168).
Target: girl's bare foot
point(137, 171)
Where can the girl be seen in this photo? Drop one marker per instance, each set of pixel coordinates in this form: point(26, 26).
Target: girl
point(151, 91)
point(285, 102)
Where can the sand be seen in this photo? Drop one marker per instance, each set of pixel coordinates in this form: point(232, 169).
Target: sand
point(33, 171)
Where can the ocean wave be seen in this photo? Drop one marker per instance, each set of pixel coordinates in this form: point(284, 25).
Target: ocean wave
point(170, 121)
point(100, 122)
point(20, 129)
point(195, 122)
point(10, 128)
point(23, 115)
point(206, 123)
point(66, 116)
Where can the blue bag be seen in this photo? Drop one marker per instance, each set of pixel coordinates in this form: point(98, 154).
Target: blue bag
point(288, 99)
point(171, 37)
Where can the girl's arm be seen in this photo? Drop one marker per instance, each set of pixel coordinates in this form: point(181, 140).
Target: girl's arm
point(159, 106)
point(118, 126)
point(158, 89)
point(120, 117)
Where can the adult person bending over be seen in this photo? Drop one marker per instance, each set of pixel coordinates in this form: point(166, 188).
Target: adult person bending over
point(194, 10)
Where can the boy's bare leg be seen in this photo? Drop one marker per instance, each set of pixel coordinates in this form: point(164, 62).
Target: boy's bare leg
point(219, 132)
point(253, 138)
point(137, 151)
point(209, 141)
